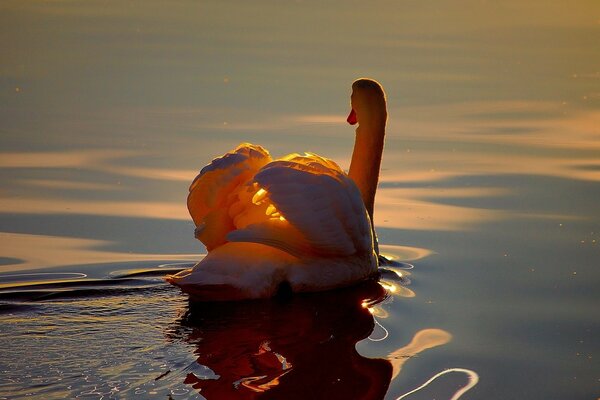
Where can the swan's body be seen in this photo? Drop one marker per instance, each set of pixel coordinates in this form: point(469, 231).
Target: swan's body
point(298, 221)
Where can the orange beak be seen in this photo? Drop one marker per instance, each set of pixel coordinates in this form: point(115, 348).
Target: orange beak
point(352, 118)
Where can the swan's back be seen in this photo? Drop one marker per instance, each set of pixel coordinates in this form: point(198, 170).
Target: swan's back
point(318, 200)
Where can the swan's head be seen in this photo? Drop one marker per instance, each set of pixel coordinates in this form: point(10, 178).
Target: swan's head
point(368, 102)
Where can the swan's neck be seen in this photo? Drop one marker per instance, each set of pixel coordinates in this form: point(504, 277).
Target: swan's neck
point(366, 160)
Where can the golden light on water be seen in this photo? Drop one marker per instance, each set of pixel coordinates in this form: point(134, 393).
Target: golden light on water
point(390, 287)
point(58, 159)
point(516, 137)
point(403, 253)
point(396, 211)
point(407, 208)
point(41, 251)
point(161, 210)
point(71, 185)
point(422, 340)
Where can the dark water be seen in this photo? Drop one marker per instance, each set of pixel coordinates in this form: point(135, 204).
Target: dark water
point(489, 187)
point(89, 338)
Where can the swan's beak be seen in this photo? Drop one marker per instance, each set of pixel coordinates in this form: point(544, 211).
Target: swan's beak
point(352, 118)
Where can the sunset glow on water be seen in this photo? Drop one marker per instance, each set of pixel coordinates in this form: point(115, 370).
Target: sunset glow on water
point(487, 199)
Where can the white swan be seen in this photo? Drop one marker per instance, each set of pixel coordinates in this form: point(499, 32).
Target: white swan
point(297, 222)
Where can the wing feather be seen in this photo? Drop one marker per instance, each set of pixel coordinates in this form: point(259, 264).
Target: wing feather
point(323, 213)
point(211, 191)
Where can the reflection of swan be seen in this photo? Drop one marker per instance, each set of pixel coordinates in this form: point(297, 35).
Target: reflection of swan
point(303, 348)
point(297, 223)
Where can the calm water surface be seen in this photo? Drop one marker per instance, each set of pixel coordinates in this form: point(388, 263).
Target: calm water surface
point(490, 188)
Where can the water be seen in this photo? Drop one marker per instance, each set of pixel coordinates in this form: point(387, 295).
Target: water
point(489, 187)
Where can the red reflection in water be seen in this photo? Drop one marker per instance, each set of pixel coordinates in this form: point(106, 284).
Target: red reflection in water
point(302, 348)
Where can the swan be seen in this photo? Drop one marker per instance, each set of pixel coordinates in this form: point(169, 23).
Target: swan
point(297, 223)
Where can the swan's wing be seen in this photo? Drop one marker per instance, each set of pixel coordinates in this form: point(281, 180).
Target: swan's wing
point(315, 209)
point(210, 192)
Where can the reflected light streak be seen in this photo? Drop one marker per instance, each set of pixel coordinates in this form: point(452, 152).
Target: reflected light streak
point(175, 175)
point(404, 253)
point(446, 192)
point(413, 176)
point(394, 211)
point(71, 185)
point(473, 380)
point(423, 340)
point(403, 291)
point(162, 210)
point(385, 331)
point(538, 123)
point(379, 312)
point(39, 251)
point(547, 135)
point(388, 286)
point(278, 123)
point(463, 162)
point(94, 160)
point(320, 119)
point(61, 159)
